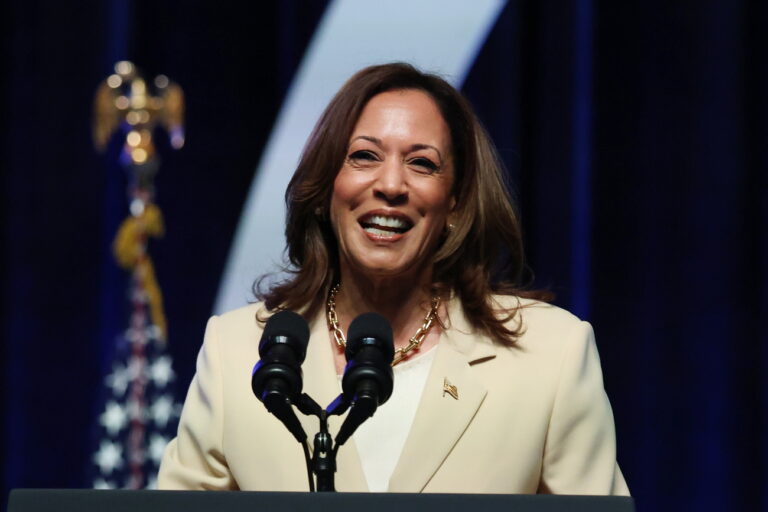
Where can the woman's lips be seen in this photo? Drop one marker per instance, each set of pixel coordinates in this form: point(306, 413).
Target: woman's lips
point(380, 226)
point(383, 236)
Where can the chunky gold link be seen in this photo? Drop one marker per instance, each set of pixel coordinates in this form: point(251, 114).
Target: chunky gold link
point(401, 353)
point(333, 319)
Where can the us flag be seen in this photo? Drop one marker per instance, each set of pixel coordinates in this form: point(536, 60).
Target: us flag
point(140, 413)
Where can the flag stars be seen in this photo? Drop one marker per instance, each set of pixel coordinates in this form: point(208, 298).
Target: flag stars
point(114, 418)
point(162, 410)
point(137, 418)
point(157, 445)
point(109, 457)
point(161, 371)
point(118, 380)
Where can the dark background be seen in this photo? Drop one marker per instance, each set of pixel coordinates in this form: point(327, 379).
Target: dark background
point(635, 138)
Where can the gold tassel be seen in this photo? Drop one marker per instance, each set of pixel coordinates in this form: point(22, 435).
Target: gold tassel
point(129, 249)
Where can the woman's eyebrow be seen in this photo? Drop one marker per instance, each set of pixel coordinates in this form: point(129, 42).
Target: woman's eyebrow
point(375, 140)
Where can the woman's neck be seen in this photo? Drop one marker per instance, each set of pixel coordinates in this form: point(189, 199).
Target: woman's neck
point(404, 301)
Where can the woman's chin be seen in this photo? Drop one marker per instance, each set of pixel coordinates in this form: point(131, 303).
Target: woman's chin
point(385, 270)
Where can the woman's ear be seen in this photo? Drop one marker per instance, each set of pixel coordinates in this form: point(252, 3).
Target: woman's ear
point(450, 221)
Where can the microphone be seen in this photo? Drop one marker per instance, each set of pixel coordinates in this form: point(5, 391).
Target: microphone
point(367, 381)
point(277, 377)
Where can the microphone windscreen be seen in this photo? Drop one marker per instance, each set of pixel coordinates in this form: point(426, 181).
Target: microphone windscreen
point(370, 326)
point(289, 325)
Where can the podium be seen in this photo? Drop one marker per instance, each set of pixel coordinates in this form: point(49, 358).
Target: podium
point(81, 500)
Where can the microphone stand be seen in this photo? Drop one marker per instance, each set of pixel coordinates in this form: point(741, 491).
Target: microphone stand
point(324, 457)
point(323, 461)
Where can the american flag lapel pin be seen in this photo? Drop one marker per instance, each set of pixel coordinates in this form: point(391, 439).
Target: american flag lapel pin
point(450, 389)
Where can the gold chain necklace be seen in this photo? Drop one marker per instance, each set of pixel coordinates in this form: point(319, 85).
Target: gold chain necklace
point(413, 343)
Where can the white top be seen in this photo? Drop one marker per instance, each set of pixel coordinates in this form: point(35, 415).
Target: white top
point(381, 438)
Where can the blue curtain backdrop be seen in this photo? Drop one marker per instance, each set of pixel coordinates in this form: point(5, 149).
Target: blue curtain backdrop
point(635, 137)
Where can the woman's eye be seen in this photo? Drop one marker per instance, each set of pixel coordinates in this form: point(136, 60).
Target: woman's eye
point(362, 155)
point(426, 163)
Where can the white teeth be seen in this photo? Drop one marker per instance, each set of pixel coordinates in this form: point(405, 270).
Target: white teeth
point(388, 222)
point(379, 232)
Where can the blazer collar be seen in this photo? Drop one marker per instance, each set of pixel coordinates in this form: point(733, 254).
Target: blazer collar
point(442, 418)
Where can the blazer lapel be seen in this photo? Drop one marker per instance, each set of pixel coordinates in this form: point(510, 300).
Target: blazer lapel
point(443, 417)
point(322, 384)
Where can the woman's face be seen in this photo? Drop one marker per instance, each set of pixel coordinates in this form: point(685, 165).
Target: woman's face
point(392, 196)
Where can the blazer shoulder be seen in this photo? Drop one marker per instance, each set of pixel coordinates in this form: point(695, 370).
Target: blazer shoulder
point(245, 313)
point(534, 311)
point(540, 323)
point(240, 324)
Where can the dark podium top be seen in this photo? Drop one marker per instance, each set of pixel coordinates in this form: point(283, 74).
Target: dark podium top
point(80, 500)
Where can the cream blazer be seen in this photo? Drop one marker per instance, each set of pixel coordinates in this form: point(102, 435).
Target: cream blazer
point(528, 419)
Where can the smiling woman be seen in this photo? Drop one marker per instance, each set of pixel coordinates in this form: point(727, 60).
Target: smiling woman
point(398, 206)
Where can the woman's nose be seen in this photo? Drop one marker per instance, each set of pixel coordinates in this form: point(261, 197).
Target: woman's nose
point(391, 184)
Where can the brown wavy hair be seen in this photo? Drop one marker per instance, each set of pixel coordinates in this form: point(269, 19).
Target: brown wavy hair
point(486, 227)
